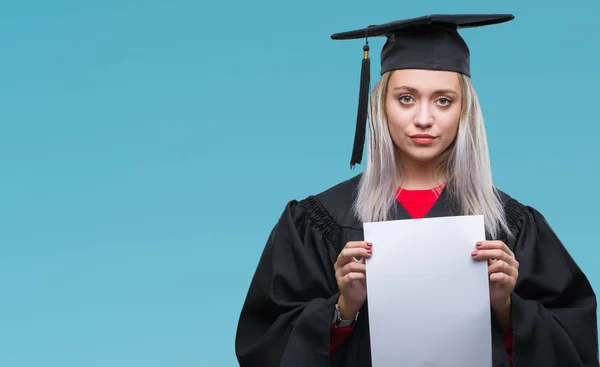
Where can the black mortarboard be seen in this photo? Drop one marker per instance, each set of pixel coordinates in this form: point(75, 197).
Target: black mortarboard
point(428, 42)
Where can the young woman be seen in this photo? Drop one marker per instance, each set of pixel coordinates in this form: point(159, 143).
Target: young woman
point(307, 303)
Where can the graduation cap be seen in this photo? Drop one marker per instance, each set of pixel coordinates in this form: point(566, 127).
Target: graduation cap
point(429, 42)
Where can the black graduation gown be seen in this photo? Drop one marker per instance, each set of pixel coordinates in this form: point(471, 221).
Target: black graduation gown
point(289, 307)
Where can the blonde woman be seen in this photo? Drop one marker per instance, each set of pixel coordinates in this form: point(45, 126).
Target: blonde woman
point(427, 157)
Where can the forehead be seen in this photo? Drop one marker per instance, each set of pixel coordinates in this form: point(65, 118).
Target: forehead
point(425, 80)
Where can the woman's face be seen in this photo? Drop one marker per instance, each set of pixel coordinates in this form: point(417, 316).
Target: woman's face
point(423, 111)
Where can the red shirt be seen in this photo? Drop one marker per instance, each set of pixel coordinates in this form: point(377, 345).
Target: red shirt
point(417, 203)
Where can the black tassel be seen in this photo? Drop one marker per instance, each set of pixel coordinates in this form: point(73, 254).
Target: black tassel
point(363, 108)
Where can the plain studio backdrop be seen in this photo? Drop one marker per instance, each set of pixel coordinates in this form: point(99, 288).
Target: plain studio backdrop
point(148, 147)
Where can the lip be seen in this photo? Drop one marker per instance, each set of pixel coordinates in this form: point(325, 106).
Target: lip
point(422, 139)
point(426, 136)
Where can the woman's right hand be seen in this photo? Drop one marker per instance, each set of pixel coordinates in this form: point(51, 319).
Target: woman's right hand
point(351, 277)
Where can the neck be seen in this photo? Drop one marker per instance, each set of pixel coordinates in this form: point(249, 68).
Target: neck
point(420, 175)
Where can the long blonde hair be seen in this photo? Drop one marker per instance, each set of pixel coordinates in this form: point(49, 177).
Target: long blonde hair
point(465, 164)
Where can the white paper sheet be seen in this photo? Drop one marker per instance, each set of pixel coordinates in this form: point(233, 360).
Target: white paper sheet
point(428, 299)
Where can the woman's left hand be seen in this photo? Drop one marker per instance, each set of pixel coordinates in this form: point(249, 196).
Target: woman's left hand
point(503, 270)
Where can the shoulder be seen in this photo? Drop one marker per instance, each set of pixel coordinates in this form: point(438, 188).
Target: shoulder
point(333, 205)
point(514, 210)
point(523, 218)
point(324, 214)
point(537, 246)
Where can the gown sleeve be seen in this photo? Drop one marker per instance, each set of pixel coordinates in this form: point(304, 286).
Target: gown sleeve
point(286, 316)
point(554, 316)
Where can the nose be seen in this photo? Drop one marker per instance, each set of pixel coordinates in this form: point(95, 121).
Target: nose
point(423, 117)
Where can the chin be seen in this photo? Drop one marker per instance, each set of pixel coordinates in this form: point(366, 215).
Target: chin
point(420, 154)
point(422, 157)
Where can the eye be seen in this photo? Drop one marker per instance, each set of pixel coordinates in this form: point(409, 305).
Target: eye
point(444, 101)
point(406, 99)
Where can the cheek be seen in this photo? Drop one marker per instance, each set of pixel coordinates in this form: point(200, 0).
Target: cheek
point(398, 118)
point(449, 125)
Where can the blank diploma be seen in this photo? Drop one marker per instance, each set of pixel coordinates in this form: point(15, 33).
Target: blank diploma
point(428, 300)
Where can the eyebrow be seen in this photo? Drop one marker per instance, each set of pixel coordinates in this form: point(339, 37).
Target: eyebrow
point(416, 91)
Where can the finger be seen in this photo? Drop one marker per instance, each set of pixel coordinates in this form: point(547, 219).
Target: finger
point(489, 245)
point(357, 244)
point(354, 244)
point(350, 277)
point(501, 278)
point(493, 254)
point(352, 267)
point(502, 267)
point(514, 264)
point(349, 254)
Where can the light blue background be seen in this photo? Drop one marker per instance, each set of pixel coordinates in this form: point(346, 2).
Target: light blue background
point(148, 147)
